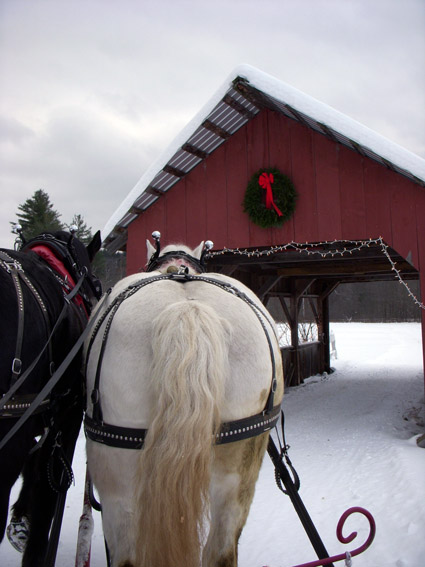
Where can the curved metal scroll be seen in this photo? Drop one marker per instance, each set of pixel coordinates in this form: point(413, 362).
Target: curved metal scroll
point(347, 539)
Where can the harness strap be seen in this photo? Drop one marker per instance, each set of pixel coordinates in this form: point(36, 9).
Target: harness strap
point(133, 438)
point(17, 361)
point(9, 394)
point(17, 273)
point(20, 404)
point(110, 311)
point(44, 312)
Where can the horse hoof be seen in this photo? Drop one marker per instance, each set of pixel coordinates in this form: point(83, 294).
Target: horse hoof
point(17, 533)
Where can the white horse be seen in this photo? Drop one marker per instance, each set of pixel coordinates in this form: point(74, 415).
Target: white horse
point(181, 358)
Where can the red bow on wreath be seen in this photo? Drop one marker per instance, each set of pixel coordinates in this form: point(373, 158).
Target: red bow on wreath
point(265, 180)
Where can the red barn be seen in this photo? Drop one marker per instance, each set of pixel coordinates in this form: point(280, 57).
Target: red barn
point(359, 213)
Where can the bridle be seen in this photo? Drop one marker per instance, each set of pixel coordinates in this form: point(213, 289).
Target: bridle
point(98, 430)
point(157, 259)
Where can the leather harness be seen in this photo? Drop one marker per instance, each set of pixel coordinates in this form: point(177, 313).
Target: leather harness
point(133, 438)
point(14, 268)
point(45, 247)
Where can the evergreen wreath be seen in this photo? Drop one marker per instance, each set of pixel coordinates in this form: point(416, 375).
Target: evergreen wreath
point(270, 198)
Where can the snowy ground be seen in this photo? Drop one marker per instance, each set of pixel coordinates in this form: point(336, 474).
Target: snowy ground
point(353, 442)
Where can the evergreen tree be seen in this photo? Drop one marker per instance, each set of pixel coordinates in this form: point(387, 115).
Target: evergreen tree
point(37, 215)
point(83, 231)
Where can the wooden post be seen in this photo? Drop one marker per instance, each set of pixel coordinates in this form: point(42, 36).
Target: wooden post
point(323, 326)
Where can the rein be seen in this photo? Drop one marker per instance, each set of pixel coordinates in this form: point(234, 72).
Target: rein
point(133, 438)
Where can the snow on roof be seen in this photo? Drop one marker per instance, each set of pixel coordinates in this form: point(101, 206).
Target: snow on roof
point(288, 97)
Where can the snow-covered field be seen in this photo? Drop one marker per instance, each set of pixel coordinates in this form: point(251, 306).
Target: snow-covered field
point(353, 442)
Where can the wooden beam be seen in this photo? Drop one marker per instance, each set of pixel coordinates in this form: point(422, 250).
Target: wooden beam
point(285, 309)
point(267, 286)
point(328, 289)
point(135, 210)
point(329, 133)
point(230, 101)
point(174, 171)
point(194, 151)
point(216, 129)
point(302, 286)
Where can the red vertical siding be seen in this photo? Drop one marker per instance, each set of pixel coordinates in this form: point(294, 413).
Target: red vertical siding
point(176, 212)
point(196, 206)
point(342, 195)
point(303, 177)
point(377, 202)
point(136, 247)
point(236, 181)
point(258, 157)
point(326, 155)
point(351, 182)
point(215, 227)
point(403, 215)
point(279, 129)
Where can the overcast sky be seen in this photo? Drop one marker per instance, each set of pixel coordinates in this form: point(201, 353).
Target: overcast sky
point(92, 91)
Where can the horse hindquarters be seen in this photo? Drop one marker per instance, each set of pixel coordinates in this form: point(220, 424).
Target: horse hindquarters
point(187, 380)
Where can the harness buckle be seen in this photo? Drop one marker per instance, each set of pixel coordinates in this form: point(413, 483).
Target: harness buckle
point(17, 366)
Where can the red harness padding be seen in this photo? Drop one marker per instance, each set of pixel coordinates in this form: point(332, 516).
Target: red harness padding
point(49, 256)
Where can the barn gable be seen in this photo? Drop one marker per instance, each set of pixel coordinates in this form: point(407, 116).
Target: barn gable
point(352, 185)
point(244, 95)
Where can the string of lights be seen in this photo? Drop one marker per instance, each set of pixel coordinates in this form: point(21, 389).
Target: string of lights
point(324, 249)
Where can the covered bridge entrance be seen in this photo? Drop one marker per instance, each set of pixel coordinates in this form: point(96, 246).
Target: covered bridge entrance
point(359, 214)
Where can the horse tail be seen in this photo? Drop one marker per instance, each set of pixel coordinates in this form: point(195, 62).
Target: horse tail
point(189, 365)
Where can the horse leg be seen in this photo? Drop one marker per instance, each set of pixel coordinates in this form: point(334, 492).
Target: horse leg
point(235, 472)
point(44, 495)
point(9, 472)
point(13, 457)
point(19, 525)
point(113, 472)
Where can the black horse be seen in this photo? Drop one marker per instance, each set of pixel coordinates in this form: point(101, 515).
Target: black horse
point(34, 287)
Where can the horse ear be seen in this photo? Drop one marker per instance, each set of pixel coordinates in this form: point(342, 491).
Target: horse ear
point(150, 249)
point(94, 246)
point(198, 250)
